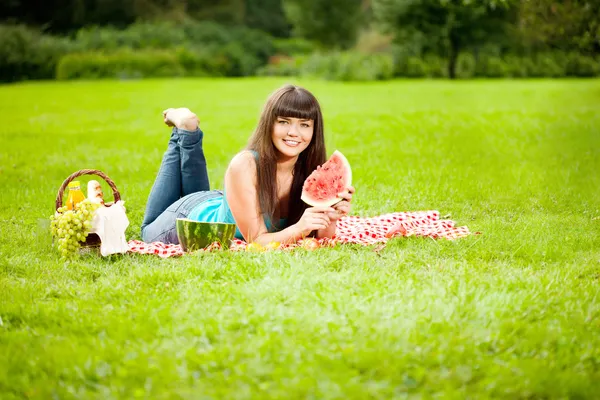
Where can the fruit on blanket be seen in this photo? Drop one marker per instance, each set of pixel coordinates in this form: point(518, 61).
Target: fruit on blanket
point(322, 187)
point(254, 248)
point(310, 244)
point(273, 246)
point(396, 230)
point(195, 235)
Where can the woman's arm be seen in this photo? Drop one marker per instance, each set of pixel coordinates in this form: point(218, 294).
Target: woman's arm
point(240, 184)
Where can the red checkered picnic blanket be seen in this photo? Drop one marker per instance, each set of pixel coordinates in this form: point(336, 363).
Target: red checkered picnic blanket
point(352, 229)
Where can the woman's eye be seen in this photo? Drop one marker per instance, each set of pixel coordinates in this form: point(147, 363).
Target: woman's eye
point(282, 121)
point(304, 125)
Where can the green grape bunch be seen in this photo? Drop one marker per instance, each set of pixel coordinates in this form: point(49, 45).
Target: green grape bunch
point(71, 227)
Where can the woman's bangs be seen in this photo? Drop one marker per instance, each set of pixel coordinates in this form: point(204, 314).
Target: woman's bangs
point(297, 104)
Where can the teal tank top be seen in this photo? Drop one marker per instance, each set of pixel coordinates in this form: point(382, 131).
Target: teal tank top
point(217, 210)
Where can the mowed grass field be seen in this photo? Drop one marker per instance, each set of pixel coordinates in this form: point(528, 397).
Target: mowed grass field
point(513, 312)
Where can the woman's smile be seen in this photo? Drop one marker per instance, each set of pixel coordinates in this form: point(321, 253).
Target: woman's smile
point(291, 143)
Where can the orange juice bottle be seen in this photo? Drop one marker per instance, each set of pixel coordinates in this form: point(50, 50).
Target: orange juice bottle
point(75, 195)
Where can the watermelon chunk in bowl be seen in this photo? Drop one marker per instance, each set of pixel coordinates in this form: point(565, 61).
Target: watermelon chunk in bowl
point(195, 235)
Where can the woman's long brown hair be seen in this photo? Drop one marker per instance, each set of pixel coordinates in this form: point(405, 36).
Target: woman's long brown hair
point(292, 102)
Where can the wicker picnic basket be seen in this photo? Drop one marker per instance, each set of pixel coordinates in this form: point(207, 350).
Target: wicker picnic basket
point(92, 239)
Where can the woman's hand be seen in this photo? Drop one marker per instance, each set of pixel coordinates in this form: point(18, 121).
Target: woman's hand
point(181, 118)
point(314, 219)
point(343, 207)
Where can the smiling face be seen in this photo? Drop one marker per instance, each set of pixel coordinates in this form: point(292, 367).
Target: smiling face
point(291, 136)
point(290, 129)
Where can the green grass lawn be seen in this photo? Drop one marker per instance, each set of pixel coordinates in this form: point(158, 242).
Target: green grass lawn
point(514, 312)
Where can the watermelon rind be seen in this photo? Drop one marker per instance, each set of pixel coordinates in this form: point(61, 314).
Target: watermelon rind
point(195, 235)
point(328, 203)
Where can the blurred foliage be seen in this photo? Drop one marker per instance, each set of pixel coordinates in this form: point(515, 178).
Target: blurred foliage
point(208, 48)
point(372, 41)
point(125, 64)
point(572, 25)
point(25, 53)
point(294, 46)
point(266, 15)
point(64, 16)
point(446, 27)
point(67, 16)
point(334, 39)
point(166, 35)
point(333, 23)
point(356, 66)
point(283, 66)
point(349, 66)
point(340, 66)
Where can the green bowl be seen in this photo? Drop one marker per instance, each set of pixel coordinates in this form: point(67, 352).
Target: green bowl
point(194, 235)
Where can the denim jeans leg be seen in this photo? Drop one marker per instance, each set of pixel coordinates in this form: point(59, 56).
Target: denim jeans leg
point(167, 186)
point(194, 176)
point(163, 229)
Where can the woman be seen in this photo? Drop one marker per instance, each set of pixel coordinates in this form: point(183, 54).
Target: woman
point(263, 183)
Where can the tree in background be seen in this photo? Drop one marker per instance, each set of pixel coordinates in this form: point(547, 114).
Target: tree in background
point(446, 26)
point(66, 16)
point(572, 25)
point(332, 23)
point(266, 15)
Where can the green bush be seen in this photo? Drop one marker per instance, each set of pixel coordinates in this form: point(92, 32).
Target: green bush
point(465, 66)
point(516, 66)
point(415, 67)
point(204, 48)
point(436, 66)
point(385, 66)
point(408, 64)
point(125, 64)
point(530, 67)
point(240, 62)
point(240, 51)
point(349, 66)
point(157, 35)
point(206, 33)
point(212, 37)
point(283, 66)
point(497, 68)
point(27, 54)
point(540, 65)
point(320, 65)
point(581, 66)
point(491, 67)
point(137, 36)
point(372, 41)
point(549, 65)
point(229, 60)
point(354, 66)
point(255, 42)
point(293, 46)
point(203, 63)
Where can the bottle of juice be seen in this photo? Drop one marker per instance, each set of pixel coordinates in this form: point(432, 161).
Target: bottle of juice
point(75, 195)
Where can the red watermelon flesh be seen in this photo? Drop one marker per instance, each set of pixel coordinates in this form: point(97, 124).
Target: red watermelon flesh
point(321, 188)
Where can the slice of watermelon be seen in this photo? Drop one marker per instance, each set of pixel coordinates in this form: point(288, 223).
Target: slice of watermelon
point(321, 188)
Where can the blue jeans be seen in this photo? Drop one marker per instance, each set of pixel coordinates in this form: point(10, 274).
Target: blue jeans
point(181, 184)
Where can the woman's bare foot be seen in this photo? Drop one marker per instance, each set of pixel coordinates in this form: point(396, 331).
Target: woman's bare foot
point(181, 118)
